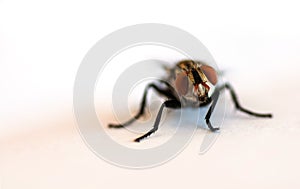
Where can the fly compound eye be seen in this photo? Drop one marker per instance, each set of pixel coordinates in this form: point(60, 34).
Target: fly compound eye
point(210, 73)
point(181, 83)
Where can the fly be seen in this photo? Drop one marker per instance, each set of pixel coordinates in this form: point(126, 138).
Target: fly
point(188, 85)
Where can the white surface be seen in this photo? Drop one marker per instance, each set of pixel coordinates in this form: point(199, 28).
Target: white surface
point(42, 44)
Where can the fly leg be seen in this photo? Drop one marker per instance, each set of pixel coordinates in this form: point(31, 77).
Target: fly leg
point(237, 104)
point(174, 104)
point(165, 92)
point(214, 99)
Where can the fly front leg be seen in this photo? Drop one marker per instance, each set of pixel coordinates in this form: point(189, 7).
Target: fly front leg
point(214, 99)
point(174, 104)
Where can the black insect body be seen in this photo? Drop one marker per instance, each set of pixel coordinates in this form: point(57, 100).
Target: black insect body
point(188, 85)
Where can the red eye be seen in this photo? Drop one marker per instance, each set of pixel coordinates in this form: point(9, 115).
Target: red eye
point(181, 83)
point(210, 73)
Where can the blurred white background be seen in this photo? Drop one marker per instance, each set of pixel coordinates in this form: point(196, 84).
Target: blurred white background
point(41, 47)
